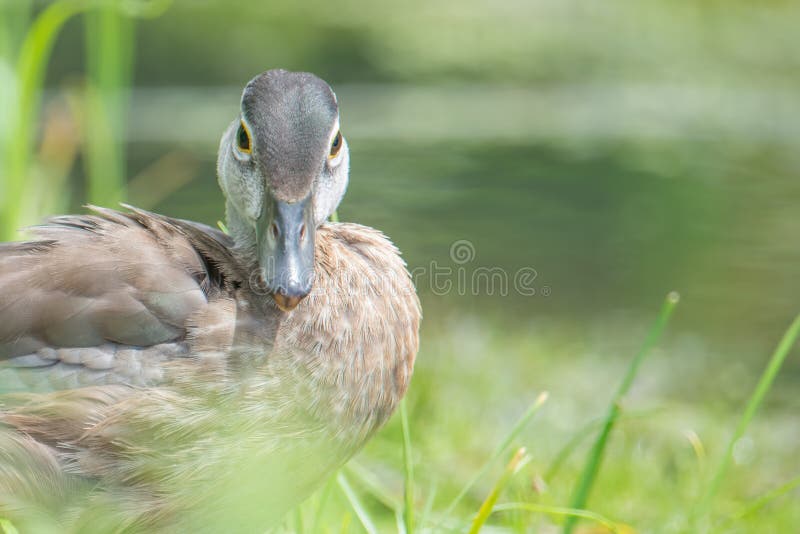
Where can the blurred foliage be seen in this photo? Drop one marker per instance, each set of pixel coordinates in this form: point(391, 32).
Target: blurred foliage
point(32, 187)
point(545, 41)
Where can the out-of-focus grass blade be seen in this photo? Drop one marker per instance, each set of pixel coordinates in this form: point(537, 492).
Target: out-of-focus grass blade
point(408, 464)
point(517, 462)
point(109, 63)
point(578, 437)
point(557, 511)
point(299, 527)
point(368, 482)
point(34, 54)
point(356, 504)
point(31, 65)
point(319, 510)
point(595, 458)
point(762, 501)
point(7, 528)
point(345, 524)
point(499, 450)
point(428, 508)
point(756, 399)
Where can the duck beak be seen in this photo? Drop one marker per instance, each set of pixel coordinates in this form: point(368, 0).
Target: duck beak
point(285, 233)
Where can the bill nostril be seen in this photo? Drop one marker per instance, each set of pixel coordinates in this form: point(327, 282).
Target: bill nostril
point(302, 232)
point(273, 228)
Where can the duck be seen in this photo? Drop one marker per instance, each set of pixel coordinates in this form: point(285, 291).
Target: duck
point(161, 375)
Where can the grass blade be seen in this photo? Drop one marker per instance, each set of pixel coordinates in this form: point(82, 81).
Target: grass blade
point(765, 499)
point(578, 438)
point(558, 511)
point(31, 65)
point(499, 450)
point(428, 508)
point(6, 527)
point(370, 484)
point(408, 464)
point(356, 504)
point(322, 502)
point(298, 520)
point(517, 462)
point(589, 473)
point(34, 54)
point(756, 399)
point(109, 63)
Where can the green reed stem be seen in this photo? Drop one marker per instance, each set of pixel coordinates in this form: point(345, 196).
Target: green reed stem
point(764, 500)
point(109, 63)
point(6, 527)
point(23, 116)
point(557, 511)
point(579, 437)
point(499, 451)
point(589, 474)
point(356, 504)
point(517, 462)
point(408, 464)
point(756, 399)
point(33, 57)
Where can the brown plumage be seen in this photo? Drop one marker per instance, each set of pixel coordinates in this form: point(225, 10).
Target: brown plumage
point(155, 383)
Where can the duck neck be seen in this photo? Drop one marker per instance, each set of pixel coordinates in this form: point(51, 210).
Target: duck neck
point(243, 233)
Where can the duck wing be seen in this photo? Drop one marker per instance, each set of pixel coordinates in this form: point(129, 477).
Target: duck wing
point(107, 292)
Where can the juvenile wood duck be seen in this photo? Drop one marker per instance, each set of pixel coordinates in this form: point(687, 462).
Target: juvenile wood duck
point(161, 375)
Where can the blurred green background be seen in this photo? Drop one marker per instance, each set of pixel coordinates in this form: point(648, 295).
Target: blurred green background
point(620, 149)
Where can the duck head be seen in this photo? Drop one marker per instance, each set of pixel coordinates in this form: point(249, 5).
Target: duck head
point(283, 166)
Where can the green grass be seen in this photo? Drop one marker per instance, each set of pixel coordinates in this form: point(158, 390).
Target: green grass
point(646, 479)
point(440, 469)
point(487, 506)
point(408, 471)
point(755, 402)
point(590, 471)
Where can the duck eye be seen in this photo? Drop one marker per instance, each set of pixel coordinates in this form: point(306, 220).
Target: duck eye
point(243, 139)
point(336, 145)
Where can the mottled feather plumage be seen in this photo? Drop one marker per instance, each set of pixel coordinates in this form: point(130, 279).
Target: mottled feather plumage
point(334, 371)
point(152, 382)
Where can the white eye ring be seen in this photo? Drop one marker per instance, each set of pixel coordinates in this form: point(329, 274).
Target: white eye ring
point(341, 145)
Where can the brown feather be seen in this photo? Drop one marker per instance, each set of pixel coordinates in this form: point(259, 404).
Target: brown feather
point(196, 388)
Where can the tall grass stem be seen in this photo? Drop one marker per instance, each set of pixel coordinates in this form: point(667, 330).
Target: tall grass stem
point(34, 54)
point(756, 399)
point(499, 451)
point(356, 504)
point(517, 462)
point(764, 500)
point(589, 474)
point(408, 464)
point(558, 511)
point(109, 63)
